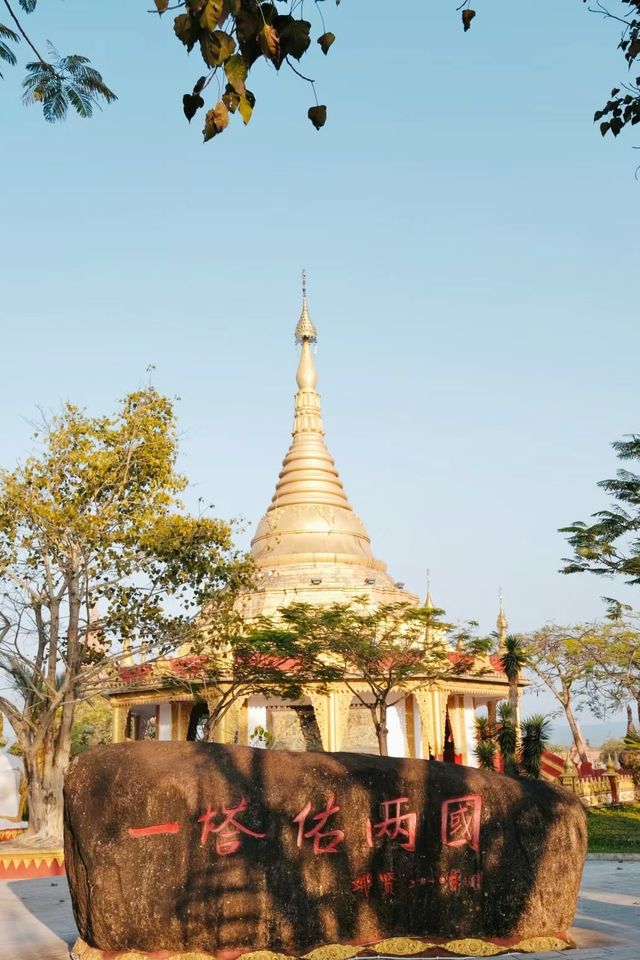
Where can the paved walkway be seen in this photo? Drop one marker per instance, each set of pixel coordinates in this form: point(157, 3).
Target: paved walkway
point(36, 922)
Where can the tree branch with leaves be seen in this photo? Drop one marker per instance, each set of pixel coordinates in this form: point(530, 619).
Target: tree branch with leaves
point(98, 563)
point(54, 81)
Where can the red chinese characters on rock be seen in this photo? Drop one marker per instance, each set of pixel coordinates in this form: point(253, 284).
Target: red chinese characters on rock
point(387, 881)
point(395, 824)
point(453, 882)
point(324, 841)
point(154, 829)
point(364, 883)
point(461, 821)
point(228, 831)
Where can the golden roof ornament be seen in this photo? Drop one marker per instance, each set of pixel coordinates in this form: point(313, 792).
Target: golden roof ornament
point(502, 624)
point(305, 330)
point(428, 603)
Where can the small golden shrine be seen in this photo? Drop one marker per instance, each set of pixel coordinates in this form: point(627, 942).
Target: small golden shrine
point(311, 547)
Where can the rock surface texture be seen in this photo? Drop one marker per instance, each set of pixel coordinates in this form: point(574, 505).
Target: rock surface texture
point(193, 846)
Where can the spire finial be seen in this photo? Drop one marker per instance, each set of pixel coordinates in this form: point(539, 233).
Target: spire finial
point(502, 623)
point(305, 329)
point(429, 600)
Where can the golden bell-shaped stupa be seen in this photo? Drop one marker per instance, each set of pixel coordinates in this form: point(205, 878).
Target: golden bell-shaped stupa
point(310, 545)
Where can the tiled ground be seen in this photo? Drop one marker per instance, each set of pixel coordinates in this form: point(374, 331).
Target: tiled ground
point(36, 921)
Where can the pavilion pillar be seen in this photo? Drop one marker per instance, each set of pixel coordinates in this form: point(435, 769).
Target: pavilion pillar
point(322, 710)
point(340, 703)
point(423, 700)
point(456, 718)
point(409, 727)
point(119, 722)
point(440, 698)
point(491, 713)
point(180, 714)
point(234, 726)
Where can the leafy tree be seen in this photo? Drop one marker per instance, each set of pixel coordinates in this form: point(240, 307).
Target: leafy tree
point(513, 660)
point(610, 748)
point(92, 725)
point(534, 737)
point(614, 677)
point(98, 562)
point(231, 659)
point(560, 659)
point(486, 748)
point(380, 654)
point(610, 546)
point(231, 35)
point(506, 736)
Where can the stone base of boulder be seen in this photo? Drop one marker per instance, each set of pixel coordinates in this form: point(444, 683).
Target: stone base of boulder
point(392, 947)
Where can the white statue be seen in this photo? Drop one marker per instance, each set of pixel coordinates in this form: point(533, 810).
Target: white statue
point(11, 792)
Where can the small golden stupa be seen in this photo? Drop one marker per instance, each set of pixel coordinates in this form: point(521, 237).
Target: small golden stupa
point(310, 546)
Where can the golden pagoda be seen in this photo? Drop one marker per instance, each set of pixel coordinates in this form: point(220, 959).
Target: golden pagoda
point(311, 547)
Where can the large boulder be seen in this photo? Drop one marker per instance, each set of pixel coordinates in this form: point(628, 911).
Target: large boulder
point(187, 846)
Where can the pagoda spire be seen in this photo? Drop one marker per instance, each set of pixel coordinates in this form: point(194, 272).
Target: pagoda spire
point(310, 533)
point(502, 624)
point(428, 603)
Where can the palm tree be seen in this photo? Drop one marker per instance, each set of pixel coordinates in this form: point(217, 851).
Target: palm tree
point(512, 660)
point(535, 736)
point(486, 748)
point(507, 737)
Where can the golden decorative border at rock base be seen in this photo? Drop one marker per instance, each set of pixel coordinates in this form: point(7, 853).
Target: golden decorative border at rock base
point(393, 947)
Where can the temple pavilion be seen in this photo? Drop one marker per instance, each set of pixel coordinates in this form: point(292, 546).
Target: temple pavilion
point(310, 546)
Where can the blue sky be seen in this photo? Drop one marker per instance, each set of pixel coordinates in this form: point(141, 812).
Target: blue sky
point(471, 244)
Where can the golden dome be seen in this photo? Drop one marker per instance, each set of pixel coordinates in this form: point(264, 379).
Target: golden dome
point(310, 545)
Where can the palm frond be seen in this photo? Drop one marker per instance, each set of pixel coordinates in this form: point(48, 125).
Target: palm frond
point(55, 105)
point(8, 34)
point(535, 737)
point(485, 753)
point(6, 53)
point(67, 81)
point(80, 100)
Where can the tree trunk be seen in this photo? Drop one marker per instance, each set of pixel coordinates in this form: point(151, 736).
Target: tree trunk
point(513, 697)
point(638, 707)
point(44, 794)
point(581, 746)
point(44, 770)
point(382, 731)
point(630, 726)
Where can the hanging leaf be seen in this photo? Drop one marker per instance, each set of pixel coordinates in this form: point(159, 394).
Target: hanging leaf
point(318, 115)
point(161, 5)
point(325, 42)
point(467, 17)
point(216, 47)
point(294, 38)
point(231, 99)
point(187, 30)
point(215, 121)
point(236, 71)
point(211, 16)
point(191, 103)
point(269, 42)
point(246, 106)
